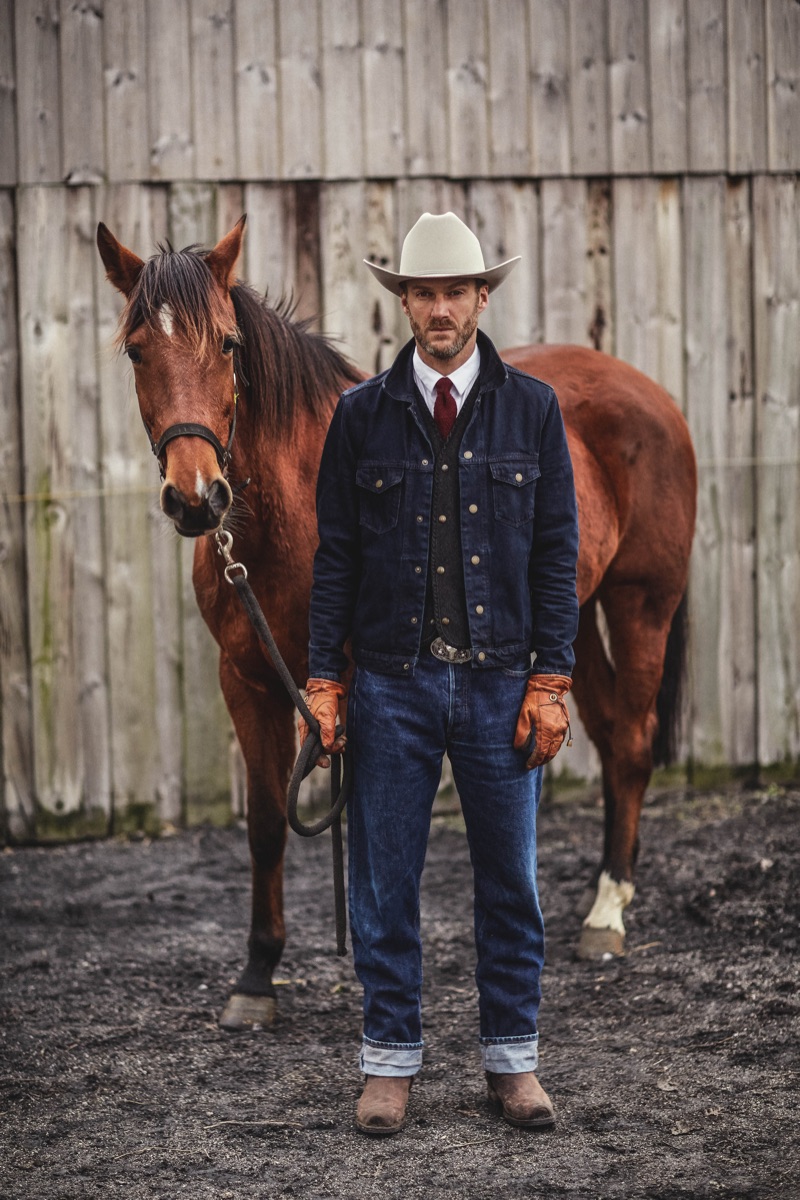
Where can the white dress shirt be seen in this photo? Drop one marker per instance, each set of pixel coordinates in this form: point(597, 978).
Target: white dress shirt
point(461, 380)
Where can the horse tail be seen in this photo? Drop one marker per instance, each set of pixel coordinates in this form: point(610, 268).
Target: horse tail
point(668, 703)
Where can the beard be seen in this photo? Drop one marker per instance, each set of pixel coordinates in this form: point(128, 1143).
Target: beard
point(460, 335)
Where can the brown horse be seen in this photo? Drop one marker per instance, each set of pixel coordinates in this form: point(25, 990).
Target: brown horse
point(195, 336)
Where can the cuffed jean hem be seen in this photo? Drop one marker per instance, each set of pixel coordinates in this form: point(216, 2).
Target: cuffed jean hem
point(510, 1056)
point(390, 1058)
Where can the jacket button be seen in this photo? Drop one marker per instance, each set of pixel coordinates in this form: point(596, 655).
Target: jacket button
point(417, 570)
point(424, 462)
point(420, 520)
point(479, 609)
point(443, 518)
point(475, 560)
point(473, 508)
point(467, 454)
point(406, 666)
point(445, 467)
point(481, 656)
point(518, 477)
point(378, 483)
point(413, 620)
point(445, 620)
point(553, 696)
point(440, 570)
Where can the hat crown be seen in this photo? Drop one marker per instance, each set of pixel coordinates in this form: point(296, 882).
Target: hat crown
point(440, 245)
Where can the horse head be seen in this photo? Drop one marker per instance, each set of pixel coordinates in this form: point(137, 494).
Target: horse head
point(179, 330)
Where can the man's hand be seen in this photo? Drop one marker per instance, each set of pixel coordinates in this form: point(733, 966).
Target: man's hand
point(543, 719)
point(324, 698)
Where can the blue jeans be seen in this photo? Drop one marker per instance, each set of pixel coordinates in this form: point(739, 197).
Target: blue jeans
point(398, 731)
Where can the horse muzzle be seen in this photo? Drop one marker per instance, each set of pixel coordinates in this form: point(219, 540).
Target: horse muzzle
point(197, 515)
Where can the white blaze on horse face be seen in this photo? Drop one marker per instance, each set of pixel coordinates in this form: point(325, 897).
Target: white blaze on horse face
point(199, 485)
point(611, 898)
point(166, 319)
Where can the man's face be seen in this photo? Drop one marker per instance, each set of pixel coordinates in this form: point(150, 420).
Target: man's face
point(443, 315)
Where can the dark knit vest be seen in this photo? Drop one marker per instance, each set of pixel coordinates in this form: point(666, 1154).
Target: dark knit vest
point(445, 599)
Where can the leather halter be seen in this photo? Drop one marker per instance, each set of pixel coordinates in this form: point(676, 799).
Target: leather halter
point(192, 429)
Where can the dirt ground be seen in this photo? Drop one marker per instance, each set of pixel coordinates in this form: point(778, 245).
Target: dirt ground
point(675, 1071)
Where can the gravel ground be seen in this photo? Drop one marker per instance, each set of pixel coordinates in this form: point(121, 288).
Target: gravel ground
point(674, 1071)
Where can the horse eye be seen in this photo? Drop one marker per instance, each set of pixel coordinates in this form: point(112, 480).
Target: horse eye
point(134, 354)
point(227, 345)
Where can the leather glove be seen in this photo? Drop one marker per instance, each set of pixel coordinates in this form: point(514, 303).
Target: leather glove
point(543, 719)
point(325, 698)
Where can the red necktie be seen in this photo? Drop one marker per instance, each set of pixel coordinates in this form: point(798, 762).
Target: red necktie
point(444, 408)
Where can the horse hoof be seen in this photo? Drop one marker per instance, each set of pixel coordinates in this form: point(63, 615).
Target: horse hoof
point(248, 1012)
point(597, 945)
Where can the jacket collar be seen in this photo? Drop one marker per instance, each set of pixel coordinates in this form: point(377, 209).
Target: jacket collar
point(399, 381)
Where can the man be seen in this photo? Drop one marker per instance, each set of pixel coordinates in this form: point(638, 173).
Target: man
point(448, 547)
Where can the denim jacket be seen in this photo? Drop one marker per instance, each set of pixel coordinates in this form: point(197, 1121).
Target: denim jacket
point(518, 518)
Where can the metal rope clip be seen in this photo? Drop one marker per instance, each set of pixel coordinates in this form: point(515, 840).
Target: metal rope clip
point(224, 542)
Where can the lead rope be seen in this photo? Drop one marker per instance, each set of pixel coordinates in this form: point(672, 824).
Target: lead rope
point(312, 748)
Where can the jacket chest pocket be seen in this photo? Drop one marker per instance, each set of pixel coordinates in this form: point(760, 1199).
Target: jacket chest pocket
point(379, 490)
point(514, 490)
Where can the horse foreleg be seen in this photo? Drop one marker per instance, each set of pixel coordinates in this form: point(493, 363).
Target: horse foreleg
point(264, 725)
point(638, 624)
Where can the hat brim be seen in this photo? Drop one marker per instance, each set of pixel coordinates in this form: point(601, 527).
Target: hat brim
point(393, 281)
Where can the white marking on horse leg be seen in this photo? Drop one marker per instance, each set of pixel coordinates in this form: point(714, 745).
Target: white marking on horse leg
point(166, 319)
point(611, 898)
point(199, 485)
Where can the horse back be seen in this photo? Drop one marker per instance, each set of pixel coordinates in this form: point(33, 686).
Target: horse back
point(635, 472)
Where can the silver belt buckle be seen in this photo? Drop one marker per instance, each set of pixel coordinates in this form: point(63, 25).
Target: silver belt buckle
point(450, 654)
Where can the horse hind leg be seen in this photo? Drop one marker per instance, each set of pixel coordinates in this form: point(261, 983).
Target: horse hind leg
point(265, 728)
point(638, 624)
point(593, 690)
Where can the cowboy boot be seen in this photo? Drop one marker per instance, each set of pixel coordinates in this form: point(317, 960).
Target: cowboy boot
point(522, 1100)
point(382, 1107)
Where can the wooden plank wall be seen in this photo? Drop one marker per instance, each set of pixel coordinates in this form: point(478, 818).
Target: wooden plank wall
point(666, 233)
point(129, 90)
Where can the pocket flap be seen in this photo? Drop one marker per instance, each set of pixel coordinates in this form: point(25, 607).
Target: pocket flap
point(516, 473)
point(378, 477)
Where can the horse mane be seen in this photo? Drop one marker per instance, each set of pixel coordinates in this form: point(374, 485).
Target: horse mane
point(282, 367)
point(283, 363)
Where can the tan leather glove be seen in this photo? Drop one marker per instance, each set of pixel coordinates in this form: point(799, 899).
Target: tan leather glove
point(543, 719)
point(326, 701)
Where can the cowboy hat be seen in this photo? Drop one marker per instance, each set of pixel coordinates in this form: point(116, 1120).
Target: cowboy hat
point(441, 247)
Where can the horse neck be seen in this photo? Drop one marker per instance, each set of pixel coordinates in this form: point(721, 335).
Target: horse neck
point(282, 471)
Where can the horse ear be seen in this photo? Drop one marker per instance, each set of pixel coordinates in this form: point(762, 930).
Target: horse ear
point(122, 266)
point(222, 259)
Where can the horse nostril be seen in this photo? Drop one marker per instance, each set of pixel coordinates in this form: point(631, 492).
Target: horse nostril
point(219, 498)
point(171, 502)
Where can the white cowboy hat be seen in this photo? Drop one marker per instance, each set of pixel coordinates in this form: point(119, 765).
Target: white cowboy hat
point(441, 247)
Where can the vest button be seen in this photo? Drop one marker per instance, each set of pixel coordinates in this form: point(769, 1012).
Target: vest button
point(481, 657)
point(467, 454)
point(443, 518)
point(424, 462)
point(473, 508)
point(378, 483)
point(417, 570)
point(479, 609)
point(475, 560)
point(518, 477)
point(420, 520)
point(406, 666)
point(445, 620)
point(413, 620)
point(440, 570)
point(445, 467)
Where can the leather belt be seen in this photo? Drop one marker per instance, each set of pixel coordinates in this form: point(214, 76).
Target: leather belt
point(450, 654)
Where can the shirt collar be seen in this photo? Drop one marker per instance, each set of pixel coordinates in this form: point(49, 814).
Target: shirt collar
point(461, 379)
